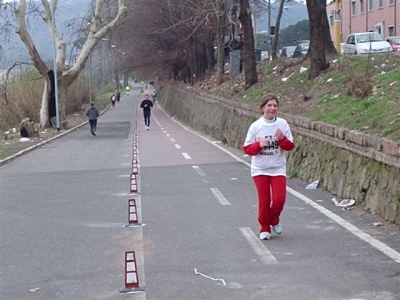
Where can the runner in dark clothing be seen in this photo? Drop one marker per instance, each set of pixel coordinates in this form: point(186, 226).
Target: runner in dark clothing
point(92, 114)
point(146, 104)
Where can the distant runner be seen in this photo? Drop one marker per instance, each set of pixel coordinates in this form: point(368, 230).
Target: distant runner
point(146, 105)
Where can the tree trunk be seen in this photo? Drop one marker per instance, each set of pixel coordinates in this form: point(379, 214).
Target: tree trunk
point(316, 9)
point(274, 45)
point(220, 15)
point(249, 61)
point(329, 46)
point(97, 31)
point(126, 80)
point(44, 108)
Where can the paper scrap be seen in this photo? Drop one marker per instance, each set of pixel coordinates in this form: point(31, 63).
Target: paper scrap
point(198, 273)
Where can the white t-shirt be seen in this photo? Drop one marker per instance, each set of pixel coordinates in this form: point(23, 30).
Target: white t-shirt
point(271, 160)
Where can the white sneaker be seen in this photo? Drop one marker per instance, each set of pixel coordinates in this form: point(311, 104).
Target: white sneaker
point(265, 235)
point(147, 127)
point(277, 229)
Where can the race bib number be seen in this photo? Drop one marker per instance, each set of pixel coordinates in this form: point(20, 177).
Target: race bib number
point(273, 148)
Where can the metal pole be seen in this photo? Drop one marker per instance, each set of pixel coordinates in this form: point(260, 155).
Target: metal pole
point(90, 78)
point(103, 67)
point(112, 66)
point(269, 30)
point(255, 29)
point(55, 69)
point(338, 26)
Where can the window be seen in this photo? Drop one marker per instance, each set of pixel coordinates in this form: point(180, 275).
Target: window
point(380, 3)
point(362, 5)
point(350, 39)
point(370, 4)
point(379, 28)
point(390, 31)
point(331, 20)
point(353, 8)
point(391, 2)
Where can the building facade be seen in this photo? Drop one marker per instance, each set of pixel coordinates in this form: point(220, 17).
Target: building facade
point(382, 16)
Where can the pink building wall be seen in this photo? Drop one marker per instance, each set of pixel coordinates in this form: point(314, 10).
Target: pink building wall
point(385, 19)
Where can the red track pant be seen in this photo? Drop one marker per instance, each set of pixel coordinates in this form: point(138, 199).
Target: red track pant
point(271, 192)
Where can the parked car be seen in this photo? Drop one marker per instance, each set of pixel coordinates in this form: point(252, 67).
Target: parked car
point(365, 42)
point(288, 51)
point(301, 50)
point(394, 41)
point(264, 55)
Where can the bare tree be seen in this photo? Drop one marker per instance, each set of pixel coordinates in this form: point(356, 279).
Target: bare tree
point(176, 40)
point(249, 61)
point(274, 44)
point(98, 28)
point(220, 30)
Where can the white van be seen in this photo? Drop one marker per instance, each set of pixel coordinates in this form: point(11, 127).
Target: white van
point(365, 43)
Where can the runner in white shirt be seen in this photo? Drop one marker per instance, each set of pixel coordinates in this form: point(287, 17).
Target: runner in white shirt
point(267, 140)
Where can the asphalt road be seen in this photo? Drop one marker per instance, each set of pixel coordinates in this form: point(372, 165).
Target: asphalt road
point(64, 211)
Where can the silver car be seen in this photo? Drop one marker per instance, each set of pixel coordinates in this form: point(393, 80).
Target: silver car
point(365, 43)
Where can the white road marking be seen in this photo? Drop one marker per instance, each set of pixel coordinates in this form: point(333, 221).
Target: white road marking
point(393, 254)
point(198, 170)
point(185, 155)
point(126, 164)
point(172, 140)
point(168, 135)
point(220, 197)
point(123, 176)
point(385, 249)
point(259, 248)
point(164, 131)
point(177, 146)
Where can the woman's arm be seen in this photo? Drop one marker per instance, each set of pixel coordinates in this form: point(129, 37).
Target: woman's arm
point(252, 149)
point(286, 144)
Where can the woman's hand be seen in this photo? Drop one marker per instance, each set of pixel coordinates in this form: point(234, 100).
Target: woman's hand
point(279, 134)
point(264, 142)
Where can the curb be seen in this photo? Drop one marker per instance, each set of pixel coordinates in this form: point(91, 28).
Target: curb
point(29, 149)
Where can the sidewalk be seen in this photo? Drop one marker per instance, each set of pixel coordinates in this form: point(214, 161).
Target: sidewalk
point(67, 204)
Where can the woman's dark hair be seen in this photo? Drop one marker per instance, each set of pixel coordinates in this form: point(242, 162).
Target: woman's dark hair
point(268, 97)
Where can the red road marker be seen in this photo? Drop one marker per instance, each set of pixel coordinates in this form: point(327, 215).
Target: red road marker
point(135, 169)
point(134, 187)
point(132, 212)
point(131, 274)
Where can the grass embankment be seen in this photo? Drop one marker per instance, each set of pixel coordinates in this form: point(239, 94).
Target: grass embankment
point(357, 92)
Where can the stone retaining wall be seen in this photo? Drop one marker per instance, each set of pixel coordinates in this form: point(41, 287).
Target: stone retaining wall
point(348, 163)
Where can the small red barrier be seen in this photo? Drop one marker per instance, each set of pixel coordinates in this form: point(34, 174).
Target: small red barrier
point(131, 275)
point(135, 169)
point(132, 212)
point(134, 187)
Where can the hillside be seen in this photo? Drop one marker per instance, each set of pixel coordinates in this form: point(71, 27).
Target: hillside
point(359, 93)
point(293, 13)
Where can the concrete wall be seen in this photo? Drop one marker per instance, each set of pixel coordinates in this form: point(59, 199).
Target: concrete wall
point(349, 164)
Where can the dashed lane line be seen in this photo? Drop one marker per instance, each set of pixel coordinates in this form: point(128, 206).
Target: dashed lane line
point(186, 156)
point(259, 248)
point(220, 197)
point(199, 171)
